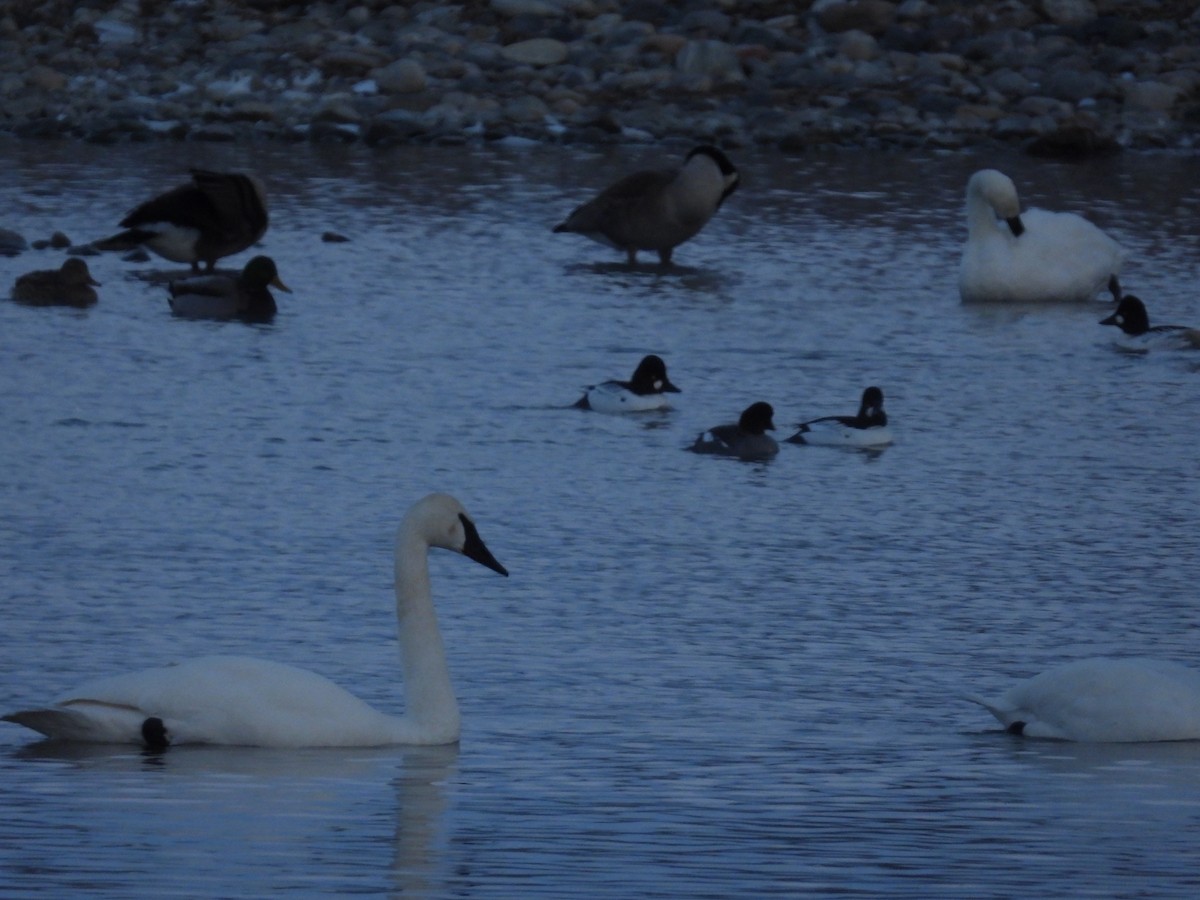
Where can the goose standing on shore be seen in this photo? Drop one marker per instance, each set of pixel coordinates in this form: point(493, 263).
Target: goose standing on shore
point(657, 210)
point(216, 215)
point(242, 701)
point(1031, 257)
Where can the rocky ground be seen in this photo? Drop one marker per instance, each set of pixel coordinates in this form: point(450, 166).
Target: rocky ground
point(1056, 76)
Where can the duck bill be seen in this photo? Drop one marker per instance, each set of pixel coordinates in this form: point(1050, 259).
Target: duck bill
point(278, 282)
point(669, 388)
point(1114, 319)
point(474, 548)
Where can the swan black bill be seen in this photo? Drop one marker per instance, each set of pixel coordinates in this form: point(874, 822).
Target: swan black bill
point(1016, 226)
point(474, 548)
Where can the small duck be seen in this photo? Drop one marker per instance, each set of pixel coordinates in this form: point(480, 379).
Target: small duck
point(1131, 317)
point(641, 393)
point(746, 440)
point(244, 296)
point(867, 429)
point(217, 214)
point(657, 210)
point(70, 285)
point(1034, 257)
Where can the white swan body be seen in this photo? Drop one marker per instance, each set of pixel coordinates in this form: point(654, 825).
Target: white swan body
point(236, 700)
point(1031, 257)
point(1104, 700)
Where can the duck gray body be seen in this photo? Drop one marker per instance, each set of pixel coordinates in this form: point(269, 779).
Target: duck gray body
point(216, 215)
point(243, 296)
point(747, 439)
point(657, 210)
point(70, 285)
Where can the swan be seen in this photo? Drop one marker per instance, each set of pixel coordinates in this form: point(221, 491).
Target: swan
point(219, 296)
point(1033, 256)
point(869, 428)
point(746, 439)
point(217, 214)
point(1104, 700)
point(69, 285)
point(658, 209)
point(643, 392)
point(241, 701)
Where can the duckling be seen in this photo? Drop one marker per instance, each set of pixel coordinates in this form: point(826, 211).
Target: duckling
point(244, 296)
point(1031, 257)
point(217, 214)
point(70, 285)
point(657, 210)
point(643, 392)
point(1131, 317)
point(869, 428)
point(747, 439)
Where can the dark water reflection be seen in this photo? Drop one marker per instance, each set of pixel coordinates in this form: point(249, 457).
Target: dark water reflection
point(704, 678)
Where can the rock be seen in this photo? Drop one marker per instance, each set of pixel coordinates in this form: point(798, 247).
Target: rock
point(536, 52)
point(403, 76)
point(44, 78)
point(514, 8)
point(332, 237)
point(871, 16)
point(858, 45)
point(710, 59)
point(1072, 141)
point(1150, 96)
point(1068, 12)
point(11, 243)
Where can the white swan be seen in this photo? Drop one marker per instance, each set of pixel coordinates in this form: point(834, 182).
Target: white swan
point(250, 702)
point(1104, 700)
point(1033, 256)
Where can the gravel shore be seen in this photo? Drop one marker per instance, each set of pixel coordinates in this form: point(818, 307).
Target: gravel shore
point(1060, 77)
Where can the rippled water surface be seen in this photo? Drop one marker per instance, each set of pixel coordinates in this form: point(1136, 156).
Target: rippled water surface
point(704, 678)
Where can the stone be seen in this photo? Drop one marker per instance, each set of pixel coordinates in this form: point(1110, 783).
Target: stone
point(402, 76)
point(536, 52)
point(871, 16)
point(858, 45)
point(45, 78)
point(1150, 96)
point(710, 59)
point(1068, 12)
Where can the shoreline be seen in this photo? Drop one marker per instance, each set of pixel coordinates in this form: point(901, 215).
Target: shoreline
point(1067, 78)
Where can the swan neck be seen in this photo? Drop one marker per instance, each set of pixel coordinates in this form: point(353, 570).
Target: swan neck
point(428, 694)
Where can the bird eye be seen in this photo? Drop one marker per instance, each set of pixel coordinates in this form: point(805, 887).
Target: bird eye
point(658, 384)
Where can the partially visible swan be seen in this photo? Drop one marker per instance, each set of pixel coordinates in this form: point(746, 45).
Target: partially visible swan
point(237, 700)
point(1033, 256)
point(746, 439)
point(657, 209)
point(869, 428)
point(1104, 700)
point(643, 392)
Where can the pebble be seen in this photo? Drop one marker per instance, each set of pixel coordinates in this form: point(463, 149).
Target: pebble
point(1058, 77)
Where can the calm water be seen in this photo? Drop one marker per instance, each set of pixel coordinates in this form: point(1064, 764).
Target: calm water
point(704, 678)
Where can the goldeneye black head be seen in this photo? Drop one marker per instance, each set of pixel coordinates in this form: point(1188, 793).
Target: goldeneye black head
point(757, 418)
point(1130, 316)
point(872, 403)
point(650, 377)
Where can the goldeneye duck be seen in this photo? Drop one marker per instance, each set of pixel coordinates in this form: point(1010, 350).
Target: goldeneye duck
point(869, 428)
point(69, 285)
point(218, 214)
point(747, 439)
point(641, 393)
point(1031, 257)
point(657, 210)
point(1131, 317)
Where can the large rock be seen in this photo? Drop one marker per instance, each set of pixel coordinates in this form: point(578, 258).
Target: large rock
point(871, 16)
point(713, 59)
point(403, 76)
point(536, 52)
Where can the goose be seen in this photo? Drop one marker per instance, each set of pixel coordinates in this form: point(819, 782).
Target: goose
point(869, 428)
point(1104, 700)
point(1031, 257)
point(242, 701)
point(746, 439)
point(659, 209)
point(217, 214)
point(1131, 317)
point(643, 392)
point(218, 296)
point(69, 285)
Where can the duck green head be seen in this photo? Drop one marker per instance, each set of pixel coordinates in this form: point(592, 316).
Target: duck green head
point(261, 272)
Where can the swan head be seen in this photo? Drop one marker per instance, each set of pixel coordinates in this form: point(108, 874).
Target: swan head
point(443, 522)
point(998, 191)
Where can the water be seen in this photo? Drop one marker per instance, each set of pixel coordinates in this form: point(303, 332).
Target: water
point(704, 678)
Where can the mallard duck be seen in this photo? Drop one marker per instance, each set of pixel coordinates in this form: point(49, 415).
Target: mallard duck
point(70, 285)
point(643, 392)
point(1031, 257)
point(243, 296)
point(657, 210)
point(218, 214)
point(747, 439)
point(869, 428)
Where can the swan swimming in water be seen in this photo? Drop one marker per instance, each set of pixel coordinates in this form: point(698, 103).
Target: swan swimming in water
point(235, 700)
point(1031, 257)
point(1104, 700)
